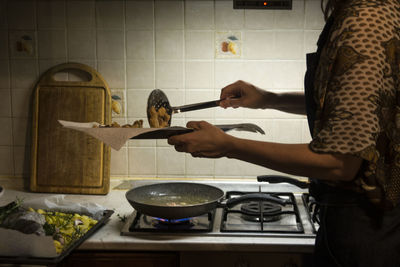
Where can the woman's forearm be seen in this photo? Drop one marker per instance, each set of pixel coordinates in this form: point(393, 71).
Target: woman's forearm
point(295, 159)
point(288, 102)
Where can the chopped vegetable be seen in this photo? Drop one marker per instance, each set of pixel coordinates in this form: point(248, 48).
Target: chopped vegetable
point(65, 228)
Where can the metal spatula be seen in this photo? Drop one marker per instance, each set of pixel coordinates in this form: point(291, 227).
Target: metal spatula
point(158, 99)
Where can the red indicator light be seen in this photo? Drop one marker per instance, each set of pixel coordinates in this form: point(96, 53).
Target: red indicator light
point(265, 3)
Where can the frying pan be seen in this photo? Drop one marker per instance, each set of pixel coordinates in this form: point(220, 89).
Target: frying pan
point(184, 200)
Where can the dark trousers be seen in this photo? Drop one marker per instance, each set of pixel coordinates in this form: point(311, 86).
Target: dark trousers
point(353, 233)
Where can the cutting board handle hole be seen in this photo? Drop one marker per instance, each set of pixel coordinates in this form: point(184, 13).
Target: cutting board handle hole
point(74, 75)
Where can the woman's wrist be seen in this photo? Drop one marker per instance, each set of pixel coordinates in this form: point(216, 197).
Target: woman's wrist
point(269, 99)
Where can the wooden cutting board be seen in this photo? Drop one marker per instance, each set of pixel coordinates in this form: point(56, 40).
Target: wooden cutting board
point(64, 160)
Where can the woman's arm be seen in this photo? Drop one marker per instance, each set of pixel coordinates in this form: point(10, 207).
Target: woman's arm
point(243, 94)
point(296, 159)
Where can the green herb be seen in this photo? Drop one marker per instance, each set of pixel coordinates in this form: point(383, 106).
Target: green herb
point(122, 218)
point(10, 208)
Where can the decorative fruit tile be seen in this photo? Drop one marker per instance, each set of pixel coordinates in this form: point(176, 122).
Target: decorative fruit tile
point(22, 44)
point(228, 44)
point(118, 103)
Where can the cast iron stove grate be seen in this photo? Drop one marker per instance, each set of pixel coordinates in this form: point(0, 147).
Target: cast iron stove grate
point(262, 216)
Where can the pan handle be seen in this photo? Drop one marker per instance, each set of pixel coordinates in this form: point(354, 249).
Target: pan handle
point(275, 179)
point(256, 196)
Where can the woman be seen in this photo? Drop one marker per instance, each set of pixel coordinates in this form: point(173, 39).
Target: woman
point(353, 160)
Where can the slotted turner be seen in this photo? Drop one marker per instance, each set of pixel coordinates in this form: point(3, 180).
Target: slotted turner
point(158, 99)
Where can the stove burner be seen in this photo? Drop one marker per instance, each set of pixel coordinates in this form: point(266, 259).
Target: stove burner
point(172, 221)
point(252, 211)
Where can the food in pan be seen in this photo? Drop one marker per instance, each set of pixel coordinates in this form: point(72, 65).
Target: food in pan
point(159, 118)
point(65, 228)
point(135, 124)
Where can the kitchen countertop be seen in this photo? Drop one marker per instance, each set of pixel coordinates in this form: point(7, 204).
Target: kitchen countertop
point(109, 238)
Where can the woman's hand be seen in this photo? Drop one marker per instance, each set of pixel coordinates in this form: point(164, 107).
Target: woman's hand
point(205, 141)
point(243, 94)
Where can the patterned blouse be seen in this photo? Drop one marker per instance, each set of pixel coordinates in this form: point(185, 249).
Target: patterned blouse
point(357, 91)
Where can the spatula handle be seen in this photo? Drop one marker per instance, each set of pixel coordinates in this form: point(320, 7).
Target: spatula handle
point(197, 106)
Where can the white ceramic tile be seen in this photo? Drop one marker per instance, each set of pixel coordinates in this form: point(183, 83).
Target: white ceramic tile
point(228, 168)
point(139, 15)
point(141, 142)
point(170, 162)
point(21, 103)
point(199, 44)
point(310, 41)
point(110, 14)
point(199, 166)
point(287, 131)
point(6, 160)
point(199, 75)
point(51, 14)
point(113, 71)
point(22, 131)
point(140, 74)
point(229, 113)
point(314, 18)
point(110, 44)
point(288, 74)
point(250, 170)
point(46, 64)
point(6, 132)
point(137, 102)
point(226, 17)
point(169, 45)
point(5, 103)
point(258, 44)
point(258, 73)
point(51, 44)
point(4, 44)
point(3, 14)
point(119, 162)
point(290, 19)
point(81, 14)
point(140, 45)
point(142, 160)
point(259, 19)
point(306, 135)
point(23, 73)
point(4, 74)
point(168, 15)
point(289, 45)
point(22, 160)
point(197, 96)
point(169, 74)
point(81, 44)
point(21, 15)
point(227, 72)
point(199, 15)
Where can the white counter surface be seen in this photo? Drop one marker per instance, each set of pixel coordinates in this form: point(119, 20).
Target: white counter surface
point(109, 238)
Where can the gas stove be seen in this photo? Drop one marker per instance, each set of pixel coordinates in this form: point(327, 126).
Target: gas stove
point(249, 218)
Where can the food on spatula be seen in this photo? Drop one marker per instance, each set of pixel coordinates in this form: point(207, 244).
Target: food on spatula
point(159, 118)
point(135, 124)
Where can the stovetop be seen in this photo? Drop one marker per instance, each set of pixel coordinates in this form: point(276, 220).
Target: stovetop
point(290, 220)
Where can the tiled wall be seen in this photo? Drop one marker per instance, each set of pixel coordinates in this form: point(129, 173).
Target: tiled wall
point(141, 45)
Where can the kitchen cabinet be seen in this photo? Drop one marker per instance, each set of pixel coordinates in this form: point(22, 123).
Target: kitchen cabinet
point(185, 259)
point(120, 259)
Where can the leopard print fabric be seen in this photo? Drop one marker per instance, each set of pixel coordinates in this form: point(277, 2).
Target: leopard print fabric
point(357, 88)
